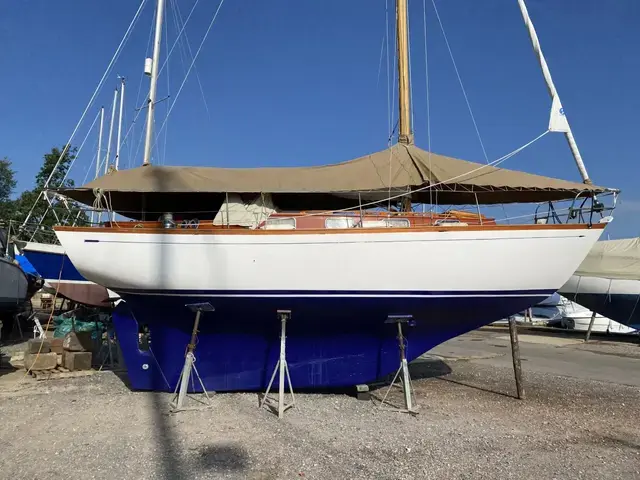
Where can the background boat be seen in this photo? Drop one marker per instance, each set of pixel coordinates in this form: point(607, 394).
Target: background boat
point(608, 281)
point(54, 266)
point(13, 287)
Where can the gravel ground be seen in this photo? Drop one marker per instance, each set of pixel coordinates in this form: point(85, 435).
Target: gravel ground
point(469, 427)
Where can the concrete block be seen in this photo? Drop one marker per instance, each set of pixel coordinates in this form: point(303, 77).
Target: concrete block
point(362, 392)
point(44, 361)
point(34, 345)
point(78, 342)
point(76, 360)
point(57, 345)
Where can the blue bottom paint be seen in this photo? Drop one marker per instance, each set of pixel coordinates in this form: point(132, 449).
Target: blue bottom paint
point(621, 308)
point(331, 341)
point(49, 264)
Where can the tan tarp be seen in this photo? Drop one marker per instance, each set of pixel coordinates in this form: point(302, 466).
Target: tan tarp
point(399, 168)
point(619, 259)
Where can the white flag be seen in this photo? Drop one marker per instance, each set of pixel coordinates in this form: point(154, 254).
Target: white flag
point(557, 120)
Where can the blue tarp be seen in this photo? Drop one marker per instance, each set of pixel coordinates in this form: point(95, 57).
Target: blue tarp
point(26, 265)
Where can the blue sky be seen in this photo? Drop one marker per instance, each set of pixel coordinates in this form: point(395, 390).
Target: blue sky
point(299, 83)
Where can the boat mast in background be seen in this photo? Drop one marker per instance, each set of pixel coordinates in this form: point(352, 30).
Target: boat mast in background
point(119, 123)
point(405, 134)
point(558, 121)
point(113, 114)
point(99, 153)
point(153, 72)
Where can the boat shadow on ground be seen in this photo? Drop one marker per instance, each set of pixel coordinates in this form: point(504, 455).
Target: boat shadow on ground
point(178, 462)
point(477, 387)
point(433, 367)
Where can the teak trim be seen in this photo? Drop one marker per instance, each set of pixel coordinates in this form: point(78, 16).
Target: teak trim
point(329, 231)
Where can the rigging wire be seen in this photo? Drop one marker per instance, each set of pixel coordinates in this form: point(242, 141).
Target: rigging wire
point(389, 123)
point(166, 107)
point(428, 102)
point(215, 16)
point(142, 75)
point(430, 186)
point(97, 90)
point(188, 48)
point(380, 63)
point(391, 84)
point(64, 178)
point(464, 92)
point(179, 36)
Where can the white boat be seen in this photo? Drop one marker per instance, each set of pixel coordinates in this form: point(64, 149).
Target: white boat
point(576, 317)
point(342, 273)
point(608, 281)
point(60, 275)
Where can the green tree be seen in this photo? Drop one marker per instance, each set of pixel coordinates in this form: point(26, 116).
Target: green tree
point(44, 216)
point(7, 185)
point(49, 162)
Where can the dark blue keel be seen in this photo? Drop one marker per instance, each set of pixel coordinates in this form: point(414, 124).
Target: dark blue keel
point(332, 341)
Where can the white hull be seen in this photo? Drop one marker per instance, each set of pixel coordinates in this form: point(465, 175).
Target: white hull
point(451, 263)
point(576, 317)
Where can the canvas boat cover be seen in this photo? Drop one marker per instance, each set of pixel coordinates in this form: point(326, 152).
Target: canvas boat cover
point(244, 212)
point(398, 169)
point(618, 259)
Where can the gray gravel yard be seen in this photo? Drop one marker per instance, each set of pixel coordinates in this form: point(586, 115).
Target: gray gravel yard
point(468, 427)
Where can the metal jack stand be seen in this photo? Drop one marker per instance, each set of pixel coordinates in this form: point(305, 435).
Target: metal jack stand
point(38, 331)
point(410, 404)
point(282, 367)
point(180, 393)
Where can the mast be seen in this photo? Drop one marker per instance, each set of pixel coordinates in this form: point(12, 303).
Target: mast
point(559, 121)
point(154, 82)
point(113, 114)
point(405, 135)
point(99, 151)
point(119, 122)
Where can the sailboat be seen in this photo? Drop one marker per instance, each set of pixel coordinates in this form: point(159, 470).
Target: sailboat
point(50, 260)
point(14, 287)
point(17, 285)
point(608, 281)
point(337, 245)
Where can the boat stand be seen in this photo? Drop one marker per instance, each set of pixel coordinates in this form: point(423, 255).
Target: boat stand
point(189, 369)
point(38, 331)
point(282, 368)
point(410, 404)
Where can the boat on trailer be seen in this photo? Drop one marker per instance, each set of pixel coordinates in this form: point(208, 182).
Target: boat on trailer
point(338, 246)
